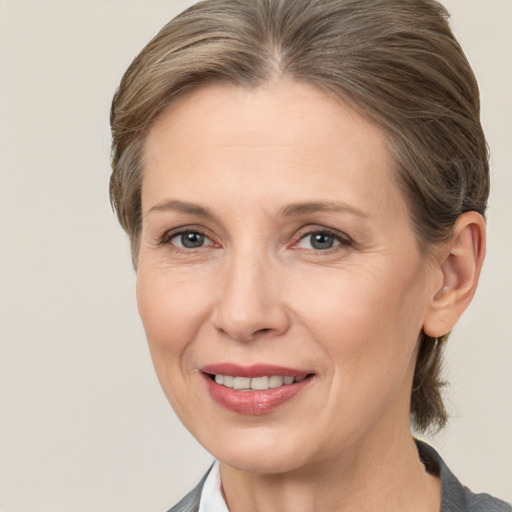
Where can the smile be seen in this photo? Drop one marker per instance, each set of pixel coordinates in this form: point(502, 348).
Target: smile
point(256, 383)
point(254, 390)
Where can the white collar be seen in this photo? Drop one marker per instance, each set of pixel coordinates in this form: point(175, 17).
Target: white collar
point(211, 495)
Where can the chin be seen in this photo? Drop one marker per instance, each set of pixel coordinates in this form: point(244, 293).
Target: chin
point(261, 452)
point(256, 462)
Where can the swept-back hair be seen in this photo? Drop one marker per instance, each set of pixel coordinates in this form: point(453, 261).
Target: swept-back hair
point(396, 62)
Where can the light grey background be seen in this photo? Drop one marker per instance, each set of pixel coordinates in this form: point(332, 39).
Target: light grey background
point(84, 425)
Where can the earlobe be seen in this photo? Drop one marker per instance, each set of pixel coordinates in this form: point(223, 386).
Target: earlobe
point(460, 263)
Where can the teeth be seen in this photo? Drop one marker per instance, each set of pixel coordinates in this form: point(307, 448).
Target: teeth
point(260, 383)
point(275, 381)
point(256, 383)
point(242, 383)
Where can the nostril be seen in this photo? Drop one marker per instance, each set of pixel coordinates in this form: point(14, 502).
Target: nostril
point(245, 322)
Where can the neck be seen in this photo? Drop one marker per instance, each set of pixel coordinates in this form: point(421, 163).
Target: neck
point(355, 480)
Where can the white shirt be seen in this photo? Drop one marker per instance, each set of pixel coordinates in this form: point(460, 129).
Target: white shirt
point(211, 495)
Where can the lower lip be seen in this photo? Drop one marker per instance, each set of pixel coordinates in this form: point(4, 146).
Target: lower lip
point(254, 403)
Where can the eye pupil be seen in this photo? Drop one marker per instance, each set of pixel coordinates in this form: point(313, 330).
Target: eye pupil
point(192, 240)
point(321, 241)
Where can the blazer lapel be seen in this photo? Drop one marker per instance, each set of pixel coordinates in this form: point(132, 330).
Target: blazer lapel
point(190, 503)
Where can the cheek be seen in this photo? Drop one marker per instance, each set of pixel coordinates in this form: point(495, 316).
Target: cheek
point(362, 300)
point(172, 312)
point(367, 322)
point(171, 308)
point(368, 330)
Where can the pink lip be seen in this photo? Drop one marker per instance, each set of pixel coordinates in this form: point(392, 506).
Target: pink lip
point(255, 370)
point(253, 402)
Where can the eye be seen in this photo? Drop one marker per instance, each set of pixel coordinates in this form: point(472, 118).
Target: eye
point(188, 240)
point(321, 240)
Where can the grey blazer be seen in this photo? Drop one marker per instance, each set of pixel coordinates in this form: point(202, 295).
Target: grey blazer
point(190, 503)
point(455, 497)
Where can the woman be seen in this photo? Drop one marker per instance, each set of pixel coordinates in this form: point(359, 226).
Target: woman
point(304, 184)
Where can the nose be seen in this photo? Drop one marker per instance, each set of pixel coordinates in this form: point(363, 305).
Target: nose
point(250, 304)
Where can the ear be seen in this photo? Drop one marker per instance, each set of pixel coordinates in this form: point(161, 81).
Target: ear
point(460, 260)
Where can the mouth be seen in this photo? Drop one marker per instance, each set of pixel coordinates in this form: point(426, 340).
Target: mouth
point(254, 390)
point(262, 383)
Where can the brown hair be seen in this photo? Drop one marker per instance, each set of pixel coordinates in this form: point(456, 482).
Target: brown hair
point(395, 61)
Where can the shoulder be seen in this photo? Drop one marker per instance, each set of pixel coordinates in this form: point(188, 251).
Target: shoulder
point(190, 503)
point(455, 496)
point(485, 503)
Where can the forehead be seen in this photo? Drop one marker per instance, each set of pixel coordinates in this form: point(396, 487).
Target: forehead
point(281, 137)
point(285, 109)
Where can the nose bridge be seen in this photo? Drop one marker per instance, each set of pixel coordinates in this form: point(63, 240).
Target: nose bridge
point(249, 304)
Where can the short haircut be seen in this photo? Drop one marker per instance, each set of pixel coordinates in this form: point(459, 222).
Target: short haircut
point(396, 62)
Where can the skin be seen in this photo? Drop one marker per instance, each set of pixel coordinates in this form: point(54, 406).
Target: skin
point(258, 291)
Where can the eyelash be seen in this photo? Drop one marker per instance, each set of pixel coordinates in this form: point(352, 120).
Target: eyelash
point(341, 239)
point(167, 237)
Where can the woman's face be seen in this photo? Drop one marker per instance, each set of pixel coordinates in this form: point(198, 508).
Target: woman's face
point(275, 244)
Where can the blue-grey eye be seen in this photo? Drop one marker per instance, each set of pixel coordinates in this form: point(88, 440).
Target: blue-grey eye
point(189, 240)
point(319, 241)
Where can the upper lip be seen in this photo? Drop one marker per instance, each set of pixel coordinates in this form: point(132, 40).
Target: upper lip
point(254, 370)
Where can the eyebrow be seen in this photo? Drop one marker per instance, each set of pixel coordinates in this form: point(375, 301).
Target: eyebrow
point(296, 209)
point(181, 207)
point(290, 210)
